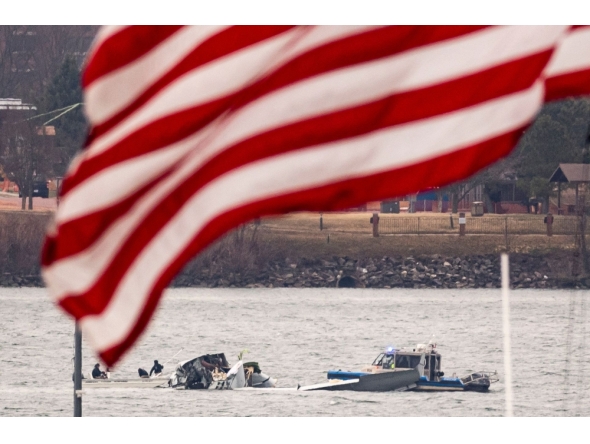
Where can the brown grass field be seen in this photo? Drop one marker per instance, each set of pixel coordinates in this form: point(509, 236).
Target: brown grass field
point(350, 234)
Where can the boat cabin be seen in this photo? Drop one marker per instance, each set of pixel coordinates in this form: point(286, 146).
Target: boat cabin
point(409, 358)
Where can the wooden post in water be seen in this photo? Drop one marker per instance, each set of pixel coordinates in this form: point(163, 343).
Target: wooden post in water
point(78, 372)
point(506, 330)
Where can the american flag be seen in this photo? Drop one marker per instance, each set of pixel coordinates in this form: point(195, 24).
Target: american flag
point(198, 129)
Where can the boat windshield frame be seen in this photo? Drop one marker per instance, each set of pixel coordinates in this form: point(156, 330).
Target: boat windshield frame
point(379, 359)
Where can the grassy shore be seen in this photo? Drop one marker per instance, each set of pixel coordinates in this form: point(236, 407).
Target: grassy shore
point(293, 237)
point(350, 234)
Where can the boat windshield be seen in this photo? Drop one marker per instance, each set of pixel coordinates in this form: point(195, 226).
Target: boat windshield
point(378, 359)
point(407, 361)
point(388, 361)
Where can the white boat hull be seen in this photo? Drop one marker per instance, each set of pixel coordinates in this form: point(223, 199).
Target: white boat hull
point(125, 383)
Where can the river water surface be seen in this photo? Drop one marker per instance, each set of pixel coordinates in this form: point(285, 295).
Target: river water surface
point(296, 335)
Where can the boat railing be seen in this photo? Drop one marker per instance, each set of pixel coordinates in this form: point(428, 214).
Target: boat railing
point(478, 376)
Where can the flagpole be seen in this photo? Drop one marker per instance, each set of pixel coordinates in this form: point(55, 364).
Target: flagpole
point(506, 330)
point(78, 372)
point(77, 346)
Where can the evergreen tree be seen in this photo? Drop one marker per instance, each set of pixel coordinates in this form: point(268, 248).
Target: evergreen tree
point(65, 90)
point(557, 136)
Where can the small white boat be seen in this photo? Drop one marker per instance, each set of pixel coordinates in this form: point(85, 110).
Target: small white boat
point(159, 381)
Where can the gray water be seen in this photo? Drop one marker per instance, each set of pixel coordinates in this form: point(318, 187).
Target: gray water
point(297, 335)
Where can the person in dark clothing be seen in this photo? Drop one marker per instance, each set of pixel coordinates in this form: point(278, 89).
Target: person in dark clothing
point(156, 368)
point(142, 373)
point(97, 373)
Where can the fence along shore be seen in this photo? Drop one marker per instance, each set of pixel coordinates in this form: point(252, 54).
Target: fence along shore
point(508, 225)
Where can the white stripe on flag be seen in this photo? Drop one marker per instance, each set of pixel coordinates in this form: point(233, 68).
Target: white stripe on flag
point(573, 54)
point(113, 92)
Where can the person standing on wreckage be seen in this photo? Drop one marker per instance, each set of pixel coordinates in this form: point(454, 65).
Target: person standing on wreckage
point(157, 368)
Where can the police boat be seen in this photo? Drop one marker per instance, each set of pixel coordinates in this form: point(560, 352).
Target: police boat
point(431, 379)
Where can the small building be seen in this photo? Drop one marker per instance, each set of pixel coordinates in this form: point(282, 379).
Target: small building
point(571, 173)
point(9, 105)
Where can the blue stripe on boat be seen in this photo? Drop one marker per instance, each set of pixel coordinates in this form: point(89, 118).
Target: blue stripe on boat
point(339, 374)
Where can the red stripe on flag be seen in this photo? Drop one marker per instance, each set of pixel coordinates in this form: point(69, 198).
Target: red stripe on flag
point(124, 47)
point(221, 44)
point(568, 85)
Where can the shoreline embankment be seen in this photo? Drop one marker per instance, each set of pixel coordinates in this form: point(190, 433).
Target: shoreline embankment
point(436, 271)
point(286, 252)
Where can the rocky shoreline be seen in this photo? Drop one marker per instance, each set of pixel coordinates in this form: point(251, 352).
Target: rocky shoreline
point(481, 271)
point(478, 271)
point(436, 271)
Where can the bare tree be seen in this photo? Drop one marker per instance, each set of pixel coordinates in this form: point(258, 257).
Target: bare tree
point(26, 151)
